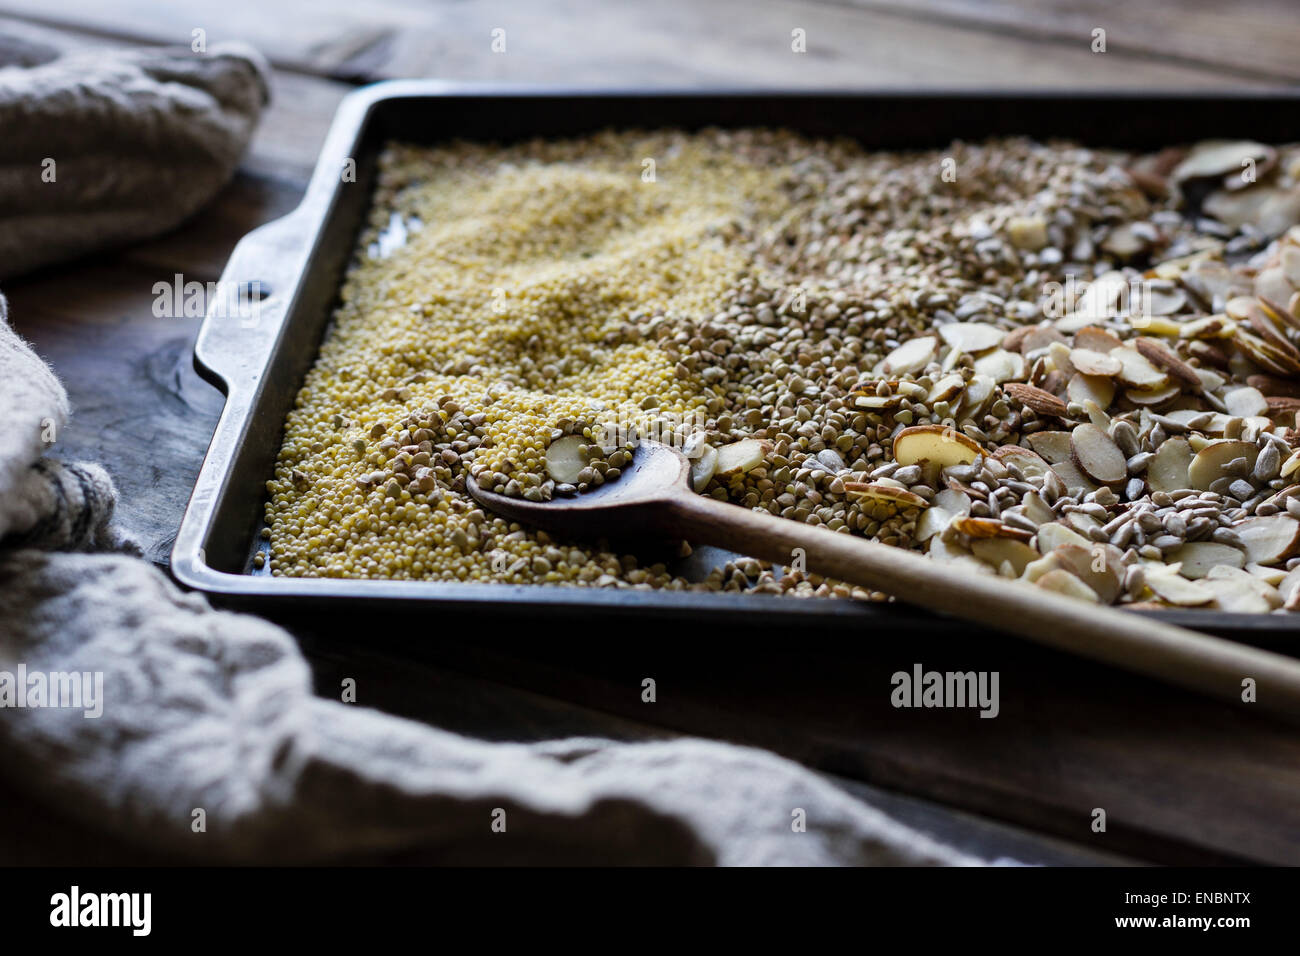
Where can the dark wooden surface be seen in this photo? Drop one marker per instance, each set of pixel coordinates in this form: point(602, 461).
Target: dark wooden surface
point(1181, 780)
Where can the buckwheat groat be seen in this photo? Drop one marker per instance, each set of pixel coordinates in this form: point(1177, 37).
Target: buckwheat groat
point(1068, 365)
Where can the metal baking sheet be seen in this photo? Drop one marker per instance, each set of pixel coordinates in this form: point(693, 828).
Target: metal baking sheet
point(285, 275)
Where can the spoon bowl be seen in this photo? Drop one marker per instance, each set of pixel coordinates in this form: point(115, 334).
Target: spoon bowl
point(631, 505)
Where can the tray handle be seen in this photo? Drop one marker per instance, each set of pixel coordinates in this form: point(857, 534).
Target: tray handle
point(247, 308)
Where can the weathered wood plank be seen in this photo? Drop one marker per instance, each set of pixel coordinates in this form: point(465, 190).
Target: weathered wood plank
point(474, 702)
point(741, 41)
point(673, 42)
point(1248, 38)
point(1182, 780)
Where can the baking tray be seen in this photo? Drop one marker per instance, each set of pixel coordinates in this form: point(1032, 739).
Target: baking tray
point(295, 265)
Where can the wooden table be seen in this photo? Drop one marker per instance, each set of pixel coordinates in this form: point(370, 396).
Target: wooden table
point(1180, 780)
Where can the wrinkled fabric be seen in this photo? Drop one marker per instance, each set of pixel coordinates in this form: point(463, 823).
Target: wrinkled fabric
point(99, 150)
point(210, 744)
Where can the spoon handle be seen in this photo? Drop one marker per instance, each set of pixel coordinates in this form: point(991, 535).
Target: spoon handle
point(1125, 639)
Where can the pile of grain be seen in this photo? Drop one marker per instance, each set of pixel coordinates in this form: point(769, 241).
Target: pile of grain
point(818, 302)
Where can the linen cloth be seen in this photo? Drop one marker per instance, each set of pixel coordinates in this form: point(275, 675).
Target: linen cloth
point(208, 715)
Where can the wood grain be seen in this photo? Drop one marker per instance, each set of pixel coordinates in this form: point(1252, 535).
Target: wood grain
point(668, 43)
point(1245, 38)
point(1182, 780)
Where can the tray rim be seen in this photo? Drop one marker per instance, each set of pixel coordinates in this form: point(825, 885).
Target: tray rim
point(188, 564)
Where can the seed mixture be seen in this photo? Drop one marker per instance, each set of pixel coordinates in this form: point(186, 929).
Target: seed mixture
point(1072, 366)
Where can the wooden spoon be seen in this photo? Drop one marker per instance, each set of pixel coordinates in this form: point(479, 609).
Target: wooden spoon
point(652, 498)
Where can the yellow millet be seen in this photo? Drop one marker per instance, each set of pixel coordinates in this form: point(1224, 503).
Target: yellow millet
point(514, 311)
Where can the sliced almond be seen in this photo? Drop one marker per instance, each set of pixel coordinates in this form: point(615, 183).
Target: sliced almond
point(1097, 415)
point(1160, 298)
point(1207, 467)
point(1245, 402)
point(988, 528)
point(1054, 534)
point(952, 501)
point(1156, 325)
point(703, 467)
point(1244, 575)
point(1171, 586)
point(1221, 158)
point(949, 551)
point(932, 521)
point(1270, 576)
point(1277, 308)
point(1100, 566)
point(1153, 399)
point(1168, 468)
point(1209, 327)
point(1266, 355)
point(1097, 456)
point(1291, 465)
point(1042, 402)
point(1162, 358)
point(742, 456)
point(946, 389)
point(1238, 593)
point(1268, 328)
point(943, 446)
point(995, 551)
point(1279, 500)
point(1002, 366)
point(1063, 582)
point(1127, 239)
point(565, 459)
point(979, 392)
point(1058, 359)
point(1035, 509)
point(1185, 416)
point(1290, 264)
point(971, 337)
point(871, 402)
point(1101, 299)
point(1094, 363)
point(1095, 339)
point(1081, 522)
point(1036, 569)
point(1198, 557)
point(1210, 379)
point(910, 357)
point(1014, 341)
point(1278, 404)
point(1030, 463)
point(1289, 588)
point(1037, 337)
point(1091, 388)
point(1075, 481)
point(1136, 371)
point(1052, 447)
point(1239, 306)
point(1269, 540)
point(885, 494)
